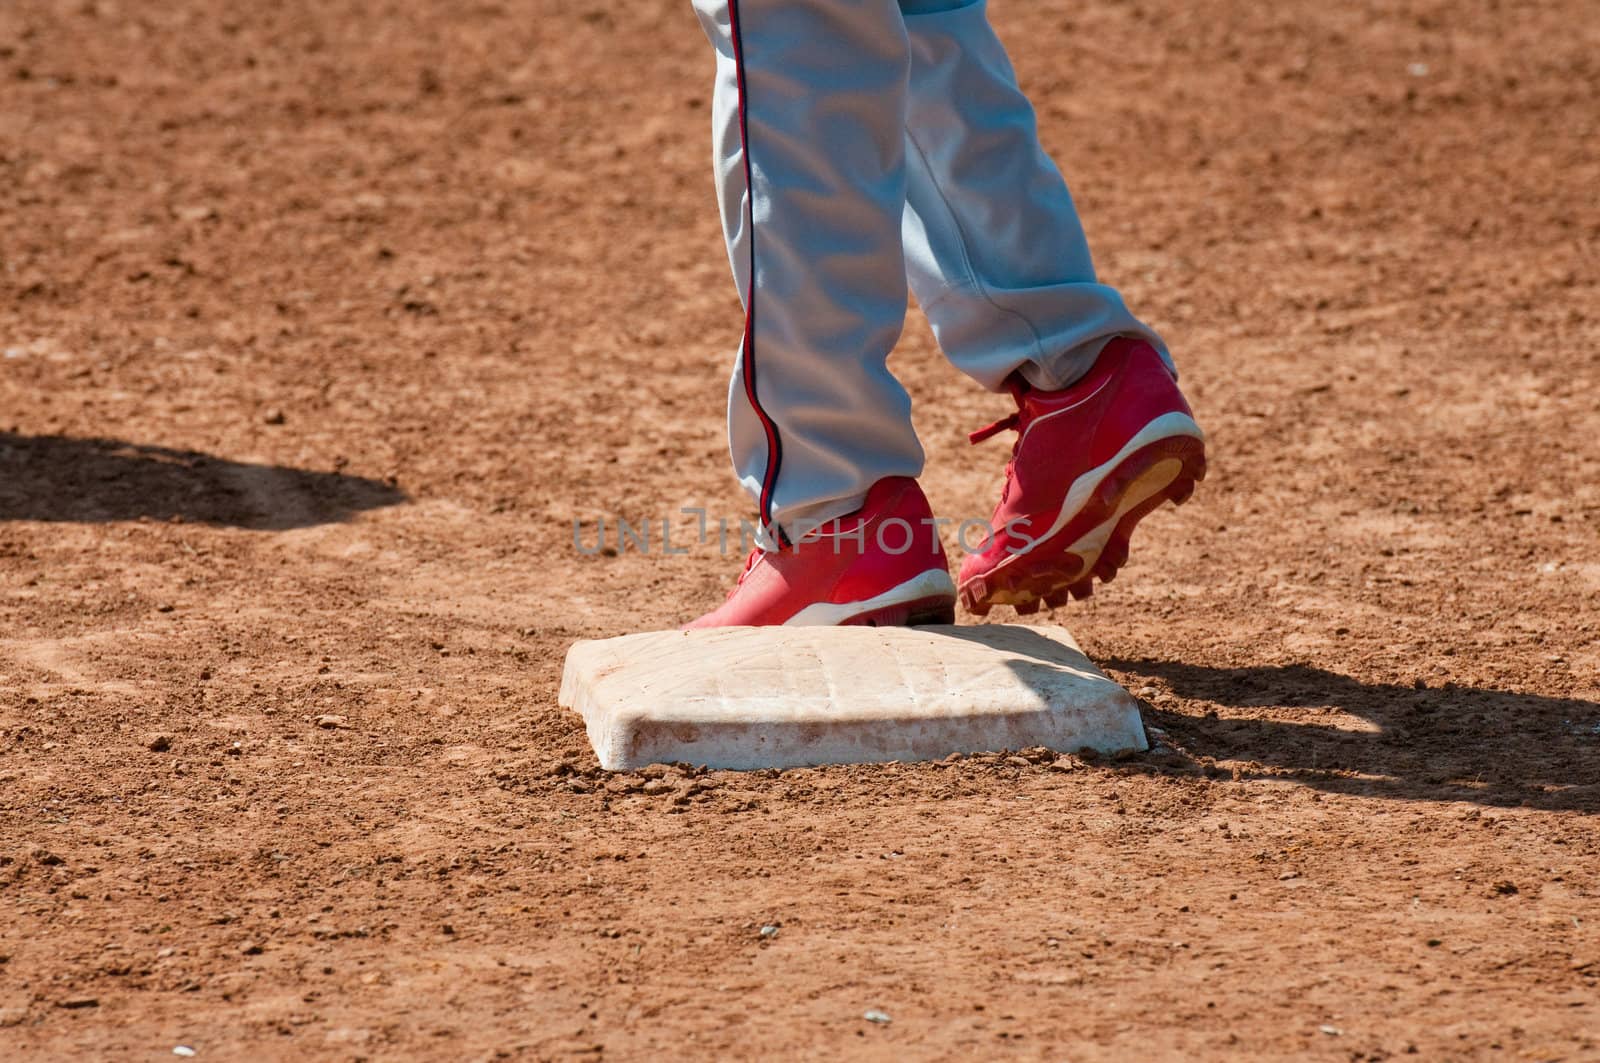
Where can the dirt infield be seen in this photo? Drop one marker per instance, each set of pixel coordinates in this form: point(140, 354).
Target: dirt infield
point(320, 324)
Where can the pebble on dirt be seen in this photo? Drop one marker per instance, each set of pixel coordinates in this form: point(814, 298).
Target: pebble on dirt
point(159, 743)
point(874, 1015)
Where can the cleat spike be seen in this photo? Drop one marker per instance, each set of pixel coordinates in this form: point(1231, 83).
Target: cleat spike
point(1115, 555)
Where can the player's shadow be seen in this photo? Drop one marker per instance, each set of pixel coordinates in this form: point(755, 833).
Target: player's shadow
point(1435, 743)
point(60, 478)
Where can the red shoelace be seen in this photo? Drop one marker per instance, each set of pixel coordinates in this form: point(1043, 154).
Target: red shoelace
point(1018, 388)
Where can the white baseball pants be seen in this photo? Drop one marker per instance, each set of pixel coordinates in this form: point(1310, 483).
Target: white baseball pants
point(861, 145)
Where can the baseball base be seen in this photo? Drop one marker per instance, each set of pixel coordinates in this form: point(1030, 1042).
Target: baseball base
point(779, 697)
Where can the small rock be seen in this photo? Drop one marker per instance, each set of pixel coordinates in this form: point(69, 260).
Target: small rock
point(1019, 762)
point(159, 743)
point(874, 1015)
point(47, 858)
point(656, 786)
point(13, 1016)
point(1063, 764)
point(272, 417)
point(79, 1002)
point(331, 721)
point(165, 607)
point(198, 212)
point(183, 1050)
point(1146, 693)
point(1505, 887)
point(769, 931)
point(253, 949)
point(1331, 1031)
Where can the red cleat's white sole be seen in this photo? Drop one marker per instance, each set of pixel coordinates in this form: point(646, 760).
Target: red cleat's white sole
point(1090, 537)
point(927, 598)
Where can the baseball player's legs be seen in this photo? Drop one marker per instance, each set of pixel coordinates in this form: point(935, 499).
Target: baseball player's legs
point(809, 132)
point(808, 129)
point(994, 249)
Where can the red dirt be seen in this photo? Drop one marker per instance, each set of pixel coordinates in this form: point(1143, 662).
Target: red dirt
point(319, 324)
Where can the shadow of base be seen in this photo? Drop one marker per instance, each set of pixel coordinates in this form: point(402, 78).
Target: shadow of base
point(1449, 743)
point(59, 478)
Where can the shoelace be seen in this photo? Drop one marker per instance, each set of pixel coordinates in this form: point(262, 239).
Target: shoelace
point(1018, 388)
point(1013, 420)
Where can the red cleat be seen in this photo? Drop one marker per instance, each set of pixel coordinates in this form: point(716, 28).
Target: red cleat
point(1089, 462)
point(882, 565)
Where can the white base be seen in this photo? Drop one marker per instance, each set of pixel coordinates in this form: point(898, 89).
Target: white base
point(774, 697)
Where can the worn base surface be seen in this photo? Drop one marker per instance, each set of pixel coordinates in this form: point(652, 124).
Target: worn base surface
point(786, 697)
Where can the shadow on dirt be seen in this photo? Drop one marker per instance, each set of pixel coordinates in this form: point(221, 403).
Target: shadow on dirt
point(1444, 743)
point(57, 478)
